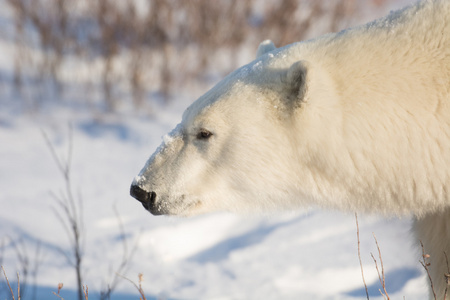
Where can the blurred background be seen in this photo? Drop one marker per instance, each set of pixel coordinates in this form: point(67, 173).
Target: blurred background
point(109, 54)
point(87, 89)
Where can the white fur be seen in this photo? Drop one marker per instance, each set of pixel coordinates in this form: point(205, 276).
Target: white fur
point(366, 129)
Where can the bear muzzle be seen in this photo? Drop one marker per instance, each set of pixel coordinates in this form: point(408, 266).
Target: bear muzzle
point(148, 199)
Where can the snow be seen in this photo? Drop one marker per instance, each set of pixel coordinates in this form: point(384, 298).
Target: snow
point(293, 255)
point(308, 255)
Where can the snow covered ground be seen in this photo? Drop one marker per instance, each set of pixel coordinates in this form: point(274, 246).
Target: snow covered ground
point(296, 255)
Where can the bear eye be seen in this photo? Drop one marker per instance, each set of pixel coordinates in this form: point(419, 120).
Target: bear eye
point(204, 134)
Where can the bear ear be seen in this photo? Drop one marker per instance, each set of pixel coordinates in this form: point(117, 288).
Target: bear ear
point(265, 47)
point(295, 80)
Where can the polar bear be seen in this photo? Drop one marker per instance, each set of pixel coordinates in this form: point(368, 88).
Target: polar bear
point(357, 121)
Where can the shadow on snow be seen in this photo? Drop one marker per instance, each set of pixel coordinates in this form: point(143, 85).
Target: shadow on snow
point(222, 250)
point(395, 281)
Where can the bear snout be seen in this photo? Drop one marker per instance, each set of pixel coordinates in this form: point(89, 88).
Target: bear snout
point(147, 199)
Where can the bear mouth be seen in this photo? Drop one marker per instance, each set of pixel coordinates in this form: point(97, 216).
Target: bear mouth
point(177, 207)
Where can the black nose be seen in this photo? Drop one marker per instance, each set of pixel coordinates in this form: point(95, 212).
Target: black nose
point(146, 198)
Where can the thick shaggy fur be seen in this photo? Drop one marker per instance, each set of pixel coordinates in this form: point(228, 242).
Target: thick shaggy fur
point(358, 121)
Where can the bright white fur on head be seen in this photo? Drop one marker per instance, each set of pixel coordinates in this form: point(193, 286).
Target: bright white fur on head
point(358, 121)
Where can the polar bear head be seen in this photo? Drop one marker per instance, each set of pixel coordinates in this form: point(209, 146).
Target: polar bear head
point(236, 146)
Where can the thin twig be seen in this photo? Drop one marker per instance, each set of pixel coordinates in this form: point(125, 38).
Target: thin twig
point(359, 256)
point(122, 233)
point(139, 288)
point(7, 281)
point(425, 265)
point(379, 275)
point(23, 257)
point(57, 295)
point(126, 256)
point(70, 211)
point(60, 286)
point(85, 292)
point(18, 286)
point(59, 164)
point(447, 276)
point(383, 283)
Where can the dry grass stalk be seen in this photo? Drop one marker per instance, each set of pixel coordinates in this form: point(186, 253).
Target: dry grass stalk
point(85, 292)
point(18, 286)
point(71, 217)
point(126, 257)
point(381, 277)
point(28, 266)
point(57, 295)
point(137, 286)
point(359, 256)
point(60, 286)
point(9, 285)
point(425, 264)
point(70, 213)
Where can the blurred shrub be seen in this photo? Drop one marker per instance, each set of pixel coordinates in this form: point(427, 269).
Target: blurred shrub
point(133, 52)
